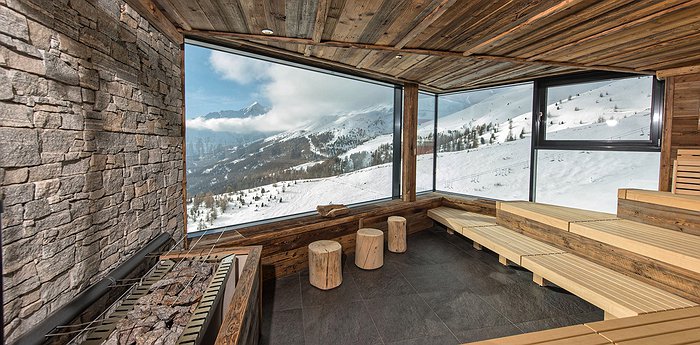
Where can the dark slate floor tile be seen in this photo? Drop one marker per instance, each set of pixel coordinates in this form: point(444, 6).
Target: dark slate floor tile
point(540, 325)
point(404, 317)
point(447, 339)
point(487, 333)
point(383, 282)
point(566, 302)
point(462, 310)
point(519, 304)
point(282, 293)
point(283, 327)
point(348, 323)
point(313, 296)
point(589, 317)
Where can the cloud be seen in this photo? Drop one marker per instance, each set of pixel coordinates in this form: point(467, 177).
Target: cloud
point(240, 69)
point(296, 96)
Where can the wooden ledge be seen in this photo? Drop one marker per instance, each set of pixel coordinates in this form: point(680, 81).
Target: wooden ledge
point(686, 202)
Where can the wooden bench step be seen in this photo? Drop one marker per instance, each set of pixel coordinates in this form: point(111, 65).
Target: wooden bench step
point(673, 247)
point(615, 293)
point(456, 219)
point(508, 243)
point(677, 326)
point(557, 216)
point(686, 202)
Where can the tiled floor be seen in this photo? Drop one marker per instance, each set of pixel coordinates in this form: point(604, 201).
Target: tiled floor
point(441, 291)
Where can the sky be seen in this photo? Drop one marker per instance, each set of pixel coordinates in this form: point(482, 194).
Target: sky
point(216, 81)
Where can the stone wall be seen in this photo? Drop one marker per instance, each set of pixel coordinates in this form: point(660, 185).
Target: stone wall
point(90, 147)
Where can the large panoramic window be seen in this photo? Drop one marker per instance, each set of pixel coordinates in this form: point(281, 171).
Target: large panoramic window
point(426, 143)
point(266, 140)
point(483, 142)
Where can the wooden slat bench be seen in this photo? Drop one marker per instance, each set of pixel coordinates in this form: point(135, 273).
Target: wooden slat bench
point(673, 247)
point(675, 327)
point(681, 326)
point(456, 219)
point(686, 176)
point(508, 244)
point(556, 216)
point(667, 210)
point(617, 294)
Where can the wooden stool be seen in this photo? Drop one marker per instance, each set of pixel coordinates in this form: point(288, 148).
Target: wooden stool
point(369, 249)
point(397, 234)
point(325, 264)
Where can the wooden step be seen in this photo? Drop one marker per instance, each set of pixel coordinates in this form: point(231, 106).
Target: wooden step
point(664, 209)
point(673, 247)
point(456, 219)
point(578, 334)
point(508, 243)
point(686, 202)
point(556, 216)
point(615, 293)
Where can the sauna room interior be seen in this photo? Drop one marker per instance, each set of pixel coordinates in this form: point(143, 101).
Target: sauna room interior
point(367, 172)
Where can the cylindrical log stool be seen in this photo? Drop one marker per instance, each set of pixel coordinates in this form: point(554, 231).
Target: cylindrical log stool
point(397, 234)
point(369, 249)
point(325, 264)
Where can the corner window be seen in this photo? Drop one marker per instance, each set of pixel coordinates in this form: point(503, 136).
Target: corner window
point(267, 140)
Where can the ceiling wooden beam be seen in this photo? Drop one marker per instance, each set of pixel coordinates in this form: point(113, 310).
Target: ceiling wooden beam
point(426, 22)
point(153, 14)
point(677, 71)
point(173, 14)
point(560, 6)
point(398, 51)
point(622, 27)
point(319, 24)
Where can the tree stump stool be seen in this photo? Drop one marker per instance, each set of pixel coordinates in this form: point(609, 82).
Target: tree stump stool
point(325, 270)
point(397, 234)
point(369, 249)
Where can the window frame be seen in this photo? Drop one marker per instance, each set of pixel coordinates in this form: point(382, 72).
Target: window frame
point(397, 98)
point(539, 126)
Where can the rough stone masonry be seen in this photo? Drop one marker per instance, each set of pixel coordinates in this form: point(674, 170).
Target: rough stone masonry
point(90, 147)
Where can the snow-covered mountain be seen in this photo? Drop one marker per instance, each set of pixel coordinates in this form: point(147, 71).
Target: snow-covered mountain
point(254, 109)
point(483, 149)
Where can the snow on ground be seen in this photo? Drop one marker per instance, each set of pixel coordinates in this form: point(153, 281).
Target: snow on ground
point(370, 145)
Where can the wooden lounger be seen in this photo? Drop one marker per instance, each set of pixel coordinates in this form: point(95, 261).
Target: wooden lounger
point(686, 176)
point(557, 216)
point(673, 247)
point(617, 294)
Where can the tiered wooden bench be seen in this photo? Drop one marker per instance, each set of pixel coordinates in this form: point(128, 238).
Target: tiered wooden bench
point(510, 245)
point(556, 216)
point(673, 247)
point(664, 209)
point(617, 294)
point(455, 219)
point(681, 326)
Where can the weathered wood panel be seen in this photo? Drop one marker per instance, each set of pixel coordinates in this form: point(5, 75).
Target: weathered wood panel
point(664, 216)
point(410, 145)
point(285, 243)
point(681, 122)
point(471, 204)
point(242, 321)
point(676, 280)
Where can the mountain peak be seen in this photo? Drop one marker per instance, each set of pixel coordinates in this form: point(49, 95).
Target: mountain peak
point(254, 109)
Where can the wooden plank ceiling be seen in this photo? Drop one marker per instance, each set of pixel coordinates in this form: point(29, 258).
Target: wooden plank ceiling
point(453, 44)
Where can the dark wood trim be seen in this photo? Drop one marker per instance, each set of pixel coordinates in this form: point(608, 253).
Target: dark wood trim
point(666, 165)
point(149, 10)
point(183, 131)
point(242, 321)
point(409, 143)
point(677, 71)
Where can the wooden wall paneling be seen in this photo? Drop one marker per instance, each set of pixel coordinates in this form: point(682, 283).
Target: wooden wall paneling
point(409, 142)
point(681, 122)
point(684, 283)
point(647, 46)
point(476, 205)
